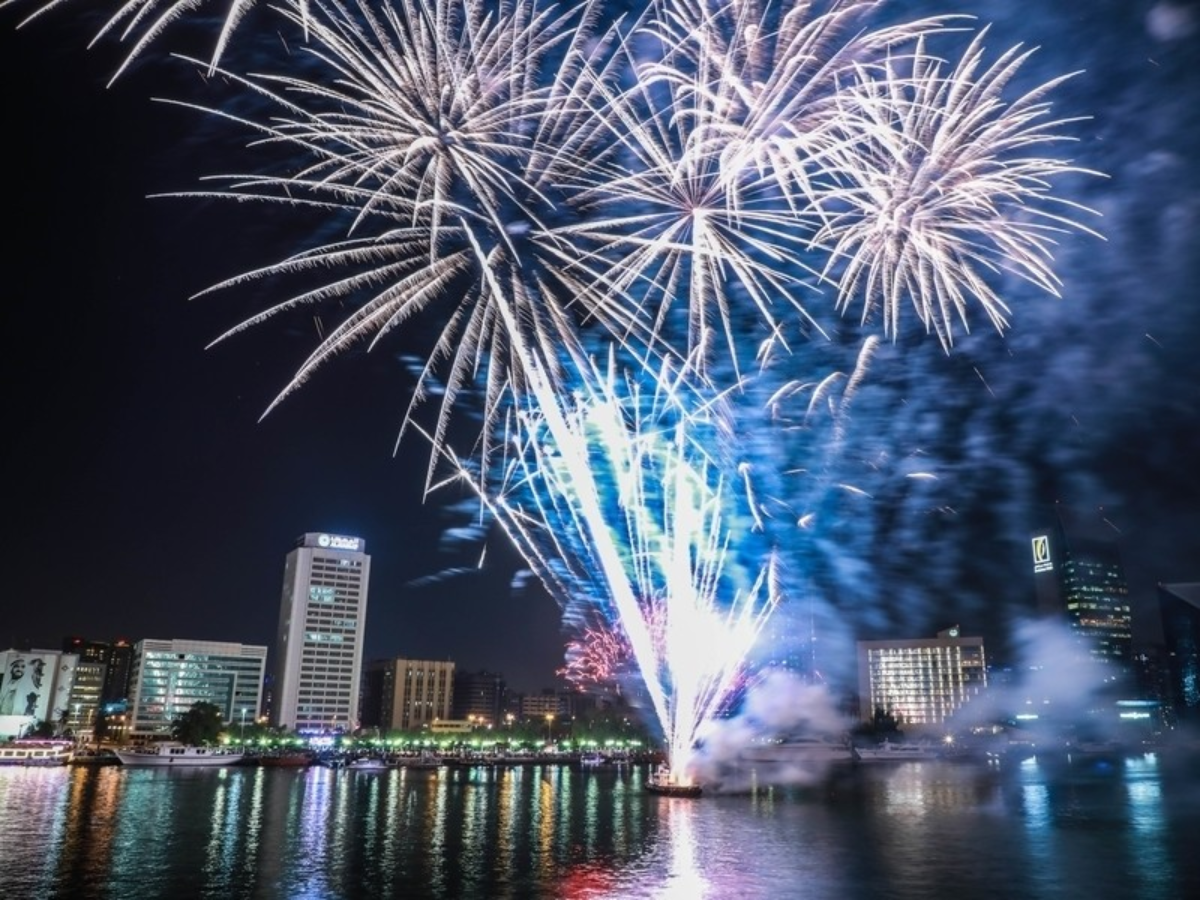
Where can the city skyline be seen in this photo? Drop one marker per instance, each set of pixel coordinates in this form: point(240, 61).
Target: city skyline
point(135, 446)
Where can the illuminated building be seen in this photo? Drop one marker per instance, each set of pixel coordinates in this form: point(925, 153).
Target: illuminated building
point(318, 660)
point(35, 687)
point(169, 677)
point(1078, 575)
point(920, 682)
point(406, 693)
point(1179, 605)
point(87, 693)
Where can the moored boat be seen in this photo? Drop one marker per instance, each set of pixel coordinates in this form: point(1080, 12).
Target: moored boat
point(424, 761)
point(178, 756)
point(897, 752)
point(293, 760)
point(368, 764)
point(801, 751)
point(36, 753)
point(95, 758)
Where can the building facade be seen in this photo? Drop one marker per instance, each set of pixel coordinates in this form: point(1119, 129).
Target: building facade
point(169, 677)
point(406, 694)
point(479, 697)
point(1079, 577)
point(920, 682)
point(322, 618)
point(1179, 606)
point(35, 688)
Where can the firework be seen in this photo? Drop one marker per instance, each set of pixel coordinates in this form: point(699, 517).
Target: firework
point(944, 189)
point(142, 22)
point(619, 500)
point(668, 194)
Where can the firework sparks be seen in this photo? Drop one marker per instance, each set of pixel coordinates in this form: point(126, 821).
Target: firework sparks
point(625, 515)
point(550, 191)
point(142, 22)
point(943, 192)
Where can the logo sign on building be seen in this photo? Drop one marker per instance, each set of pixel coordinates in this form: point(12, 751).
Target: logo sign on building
point(1041, 554)
point(337, 542)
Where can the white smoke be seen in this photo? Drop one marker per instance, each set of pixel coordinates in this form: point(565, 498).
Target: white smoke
point(779, 706)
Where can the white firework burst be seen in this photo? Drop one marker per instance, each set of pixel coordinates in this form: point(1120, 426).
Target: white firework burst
point(943, 186)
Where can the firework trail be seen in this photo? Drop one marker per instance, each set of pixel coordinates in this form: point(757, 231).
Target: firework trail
point(620, 504)
point(549, 188)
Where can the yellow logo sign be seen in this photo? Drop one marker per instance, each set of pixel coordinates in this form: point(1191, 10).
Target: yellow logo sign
point(1041, 554)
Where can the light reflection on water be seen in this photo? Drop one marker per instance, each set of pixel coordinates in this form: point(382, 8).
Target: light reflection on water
point(1038, 829)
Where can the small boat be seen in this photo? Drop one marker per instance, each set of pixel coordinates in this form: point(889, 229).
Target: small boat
point(889, 752)
point(592, 760)
point(424, 761)
point(179, 756)
point(296, 760)
point(36, 753)
point(368, 764)
point(663, 781)
point(95, 758)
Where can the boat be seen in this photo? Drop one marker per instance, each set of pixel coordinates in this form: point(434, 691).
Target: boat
point(179, 756)
point(665, 783)
point(805, 752)
point(296, 760)
point(424, 761)
point(368, 764)
point(897, 752)
point(95, 758)
point(36, 753)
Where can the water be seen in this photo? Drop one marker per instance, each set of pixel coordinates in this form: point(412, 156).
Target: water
point(905, 830)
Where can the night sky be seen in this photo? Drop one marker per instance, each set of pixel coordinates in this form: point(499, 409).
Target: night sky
point(146, 499)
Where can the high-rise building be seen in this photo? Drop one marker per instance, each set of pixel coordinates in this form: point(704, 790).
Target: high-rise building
point(170, 677)
point(920, 682)
point(88, 690)
point(1078, 576)
point(318, 657)
point(118, 679)
point(406, 694)
point(479, 696)
point(1179, 605)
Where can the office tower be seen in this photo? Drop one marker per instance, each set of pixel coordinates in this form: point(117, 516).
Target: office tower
point(478, 696)
point(920, 682)
point(1179, 605)
point(318, 657)
point(1078, 576)
point(118, 679)
point(169, 677)
point(88, 690)
point(406, 694)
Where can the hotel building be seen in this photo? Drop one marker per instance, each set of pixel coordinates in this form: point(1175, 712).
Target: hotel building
point(170, 677)
point(322, 616)
point(406, 694)
point(920, 682)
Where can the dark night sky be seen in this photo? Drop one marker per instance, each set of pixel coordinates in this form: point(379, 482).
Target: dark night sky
point(145, 499)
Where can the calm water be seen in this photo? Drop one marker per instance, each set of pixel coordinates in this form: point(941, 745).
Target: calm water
point(908, 830)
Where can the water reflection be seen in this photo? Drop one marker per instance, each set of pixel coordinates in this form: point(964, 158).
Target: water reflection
point(1040, 829)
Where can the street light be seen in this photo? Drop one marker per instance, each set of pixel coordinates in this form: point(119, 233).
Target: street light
point(549, 728)
point(243, 726)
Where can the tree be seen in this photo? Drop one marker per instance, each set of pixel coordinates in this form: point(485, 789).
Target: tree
point(202, 724)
